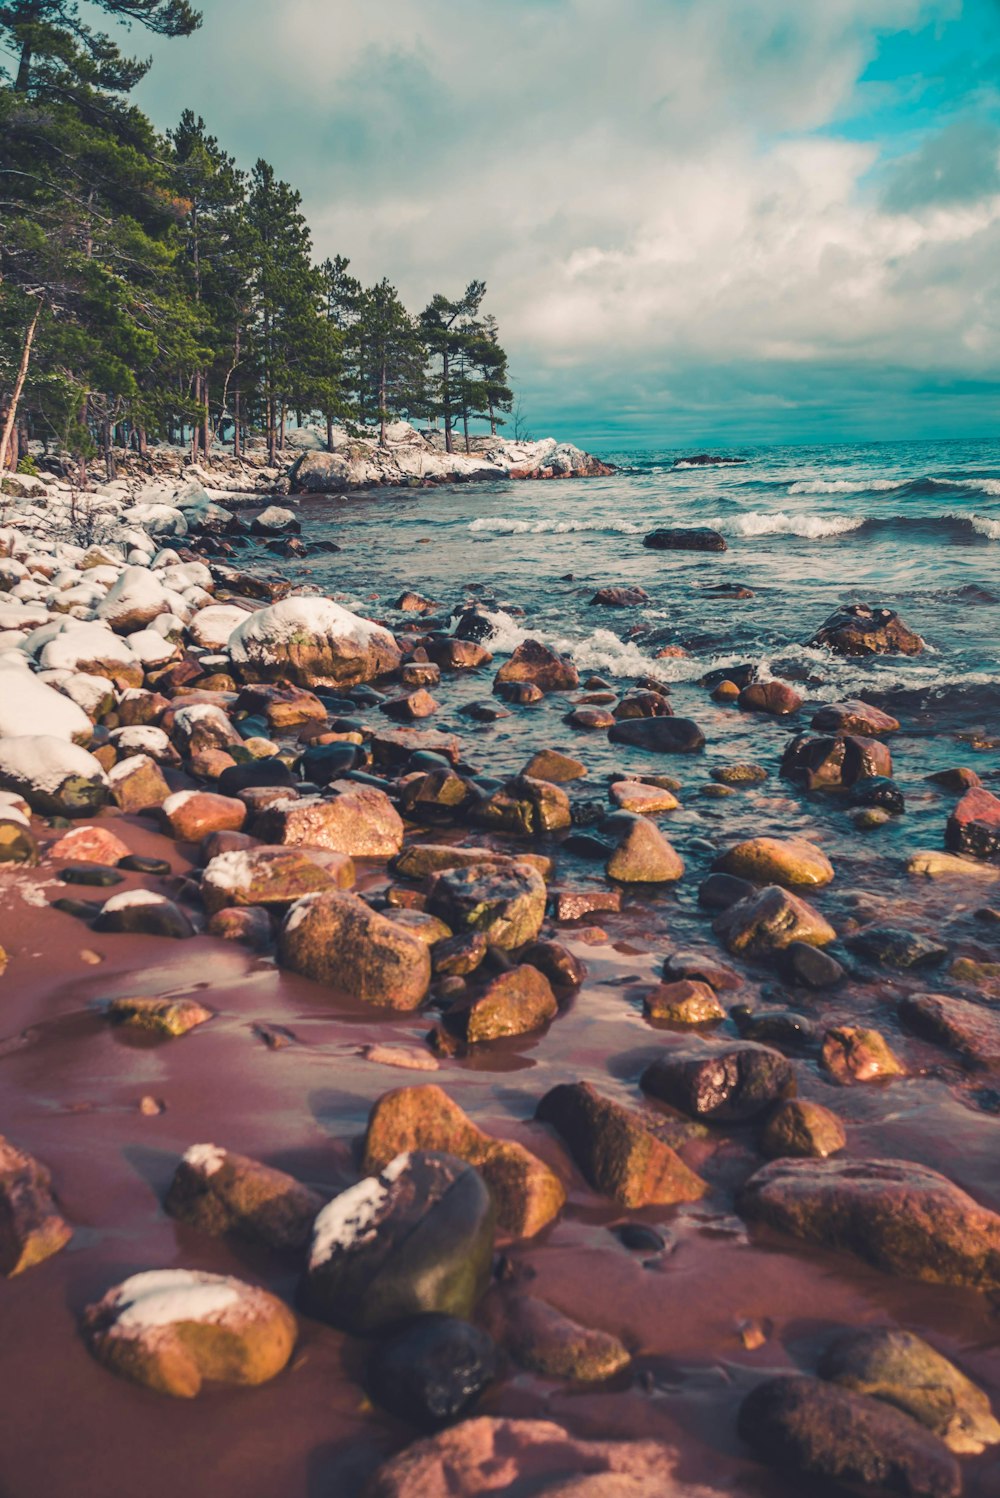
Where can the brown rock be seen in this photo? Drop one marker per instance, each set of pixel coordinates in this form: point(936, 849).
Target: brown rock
point(335, 938)
point(852, 1054)
point(834, 763)
point(361, 822)
point(535, 663)
point(31, 1227)
point(412, 707)
point(137, 784)
point(770, 860)
point(974, 825)
point(634, 795)
point(775, 697)
point(543, 1340)
point(549, 764)
point(514, 1003)
point(590, 717)
point(684, 1003)
point(160, 1016)
point(272, 876)
point(973, 1030)
point(643, 856)
point(858, 629)
point(853, 716)
point(88, 845)
point(192, 815)
point(505, 902)
point(218, 1192)
point(250, 925)
point(801, 1128)
point(572, 904)
point(769, 922)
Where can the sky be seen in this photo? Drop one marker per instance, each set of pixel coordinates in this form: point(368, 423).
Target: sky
point(700, 222)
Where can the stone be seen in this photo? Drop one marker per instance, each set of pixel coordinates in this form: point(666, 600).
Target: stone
point(722, 1082)
point(854, 1054)
point(817, 1430)
point(457, 956)
point(785, 1029)
point(633, 795)
point(683, 1003)
point(361, 822)
point(535, 663)
point(526, 1194)
point(680, 538)
point(642, 705)
point(905, 1371)
point(335, 938)
point(854, 716)
point(974, 826)
point(740, 774)
point(877, 793)
point(192, 815)
point(17, 841)
point(415, 1239)
point(835, 763)
point(643, 855)
point(891, 946)
point(973, 1030)
point(798, 1127)
point(858, 629)
point(549, 764)
point(542, 1339)
point(526, 808)
point(658, 735)
point(775, 697)
point(515, 1002)
point(159, 1016)
point(958, 778)
point(556, 963)
point(420, 859)
point(931, 864)
point(770, 860)
point(32, 1228)
point(409, 709)
point(404, 1057)
point(249, 924)
point(173, 1329)
point(55, 777)
point(506, 903)
point(702, 967)
point(219, 1192)
point(311, 642)
point(271, 876)
point(143, 913)
point(88, 845)
point(616, 1152)
point(432, 1371)
point(812, 967)
point(770, 921)
point(902, 1218)
point(590, 718)
point(719, 891)
point(620, 598)
point(137, 784)
point(572, 904)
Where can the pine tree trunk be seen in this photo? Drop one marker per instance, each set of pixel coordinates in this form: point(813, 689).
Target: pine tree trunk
point(15, 399)
point(446, 401)
point(107, 435)
point(381, 407)
point(206, 428)
point(142, 442)
point(284, 414)
point(329, 434)
point(272, 433)
point(465, 427)
point(237, 452)
point(23, 74)
point(493, 418)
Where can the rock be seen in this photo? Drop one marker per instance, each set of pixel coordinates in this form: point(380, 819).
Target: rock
point(590, 718)
point(934, 865)
point(643, 855)
point(457, 956)
point(551, 958)
point(275, 521)
point(572, 904)
point(818, 1430)
point(973, 1030)
point(506, 903)
point(620, 598)
point(891, 946)
point(17, 841)
point(783, 1028)
point(722, 1082)
point(812, 966)
point(500, 1456)
point(54, 776)
point(880, 794)
point(858, 629)
point(905, 1371)
point(159, 1016)
point(678, 538)
point(271, 876)
point(658, 735)
point(432, 1371)
point(361, 822)
point(770, 921)
point(220, 1192)
point(853, 1054)
point(137, 784)
point(192, 815)
point(514, 1003)
point(800, 1128)
point(958, 778)
point(683, 1003)
point(549, 764)
point(740, 774)
point(615, 1151)
point(134, 601)
point(172, 1329)
point(770, 860)
point(834, 763)
point(419, 859)
point(633, 795)
point(415, 705)
point(415, 1239)
point(642, 705)
point(88, 845)
point(900, 1217)
point(31, 1226)
point(719, 891)
point(775, 697)
point(725, 691)
point(974, 826)
point(855, 717)
point(527, 1195)
point(250, 925)
point(535, 663)
point(526, 808)
point(311, 642)
point(335, 938)
point(143, 913)
point(701, 967)
point(543, 1340)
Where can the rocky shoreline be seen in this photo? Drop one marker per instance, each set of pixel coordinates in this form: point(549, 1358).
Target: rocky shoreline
point(256, 869)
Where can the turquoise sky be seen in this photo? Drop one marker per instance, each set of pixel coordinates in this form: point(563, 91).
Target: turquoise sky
point(699, 220)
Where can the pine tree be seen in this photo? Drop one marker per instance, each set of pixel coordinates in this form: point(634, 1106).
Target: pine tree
point(393, 357)
point(445, 327)
point(55, 48)
point(342, 299)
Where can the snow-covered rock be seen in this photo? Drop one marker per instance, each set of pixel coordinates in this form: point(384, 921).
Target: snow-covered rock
point(212, 627)
point(28, 705)
point(54, 776)
point(311, 642)
point(133, 601)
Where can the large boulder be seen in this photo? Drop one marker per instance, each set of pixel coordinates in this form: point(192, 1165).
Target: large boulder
point(770, 860)
point(769, 921)
point(28, 705)
point(834, 763)
point(335, 938)
point(54, 776)
point(974, 826)
point(685, 538)
point(251, 877)
point(903, 1218)
point(135, 600)
point(415, 1239)
point(312, 642)
point(361, 822)
point(504, 902)
point(536, 663)
point(858, 629)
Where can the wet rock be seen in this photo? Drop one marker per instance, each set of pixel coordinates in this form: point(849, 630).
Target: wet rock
point(855, 717)
point(891, 946)
point(905, 1371)
point(620, 598)
point(900, 1217)
point(642, 705)
point(615, 1151)
point(799, 1127)
point(658, 735)
point(173, 1329)
point(143, 913)
point(770, 860)
point(854, 1054)
point(679, 538)
point(414, 706)
point(973, 1030)
point(514, 1003)
point(260, 772)
point(959, 778)
point(633, 795)
point(834, 763)
point(719, 891)
point(404, 1057)
point(536, 664)
point(458, 655)
point(506, 903)
point(543, 1340)
point(683, 1003)
point(590, 718)
point(878, 792)
point(420, 859)
point(31, 1226)
point(573, 904)
point(783, 1028)
point(17, 841)
point(702, 967)
point(725, 691)
point(432, 1371)
point(775, 697)
point(549, 764)
point(219, 1192)
point(54, 776)
point(89, 845)
point(335, 938)
point(812, 967)
point(159, 1016)
point(858, 629)
point(361, 822)
point(639, 1238)
point(740, 774)
point(415, 1239)
point(817, 1430)
point(974, 826)
point(311, 642)
point(724, 1083)
point(527, 1195)
point(457, 956)
point(192, 815)
point(551, 958)
point(643, 855)
point(249, 924)
point(440, 796)
point(137, 784)
point(931, 864)
point(526, 808)
point(770, 921)
point(271, 876)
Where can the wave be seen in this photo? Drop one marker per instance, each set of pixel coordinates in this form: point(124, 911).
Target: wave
point(502, 525)
point(845, 486)
point(927, 485)
point(810, 527)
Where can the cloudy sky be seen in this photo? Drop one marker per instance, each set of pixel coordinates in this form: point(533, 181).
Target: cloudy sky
point(699, 220)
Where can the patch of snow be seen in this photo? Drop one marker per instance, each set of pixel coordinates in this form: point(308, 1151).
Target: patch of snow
point(208, 1158)
point(27, 705)
point(142, 738)
point(130, 897)
point(162, 1297)
point(43, 763)
point(298, 619)
point(229, 870)
point(351, 1218)
point(126, 767)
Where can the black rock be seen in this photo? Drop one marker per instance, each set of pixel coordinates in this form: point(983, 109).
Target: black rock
point(891, 946)
point(336, 706)
point(587, 845)
point(778, 1027)
point(84, 910)
point(256, 773)
point(427, 759)
point(878, 790)
point(253, 727)
point(723, 1083)
point(138, 863)
point(474, 625)
point(328, 762)
point(659, 735)
point(812, 966)
point(95, 874)
point(365, 696)
point(518, 692)
point(741, 676)
point(719, 891)
point(432, 1370)
point(483, 712)
point(638, 1238)
point(683, 538)
point(157, 917)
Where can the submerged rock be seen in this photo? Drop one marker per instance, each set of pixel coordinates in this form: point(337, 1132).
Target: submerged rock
point(858, 629)
point(432, 1370)
point(891, 946)
point(770, 860)
point(660, 735)
point(685, 538)
point(770, 921)
point(854, 716)
point(973, 1030)
point(335, 938)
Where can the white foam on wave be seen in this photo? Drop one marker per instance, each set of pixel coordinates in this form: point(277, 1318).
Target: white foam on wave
point(984, 526)
point(981, 486)
point(503, 525)
point(781, 523)
point(844, 486)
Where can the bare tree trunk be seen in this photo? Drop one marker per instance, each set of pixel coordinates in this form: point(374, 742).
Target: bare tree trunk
point(329, 434)
point(22, 375)
point(237, 452)
point(284, 414)
point(465, 427)
point(446, 401)
point(206, 429)
point(272, 433)
point(381, 407)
